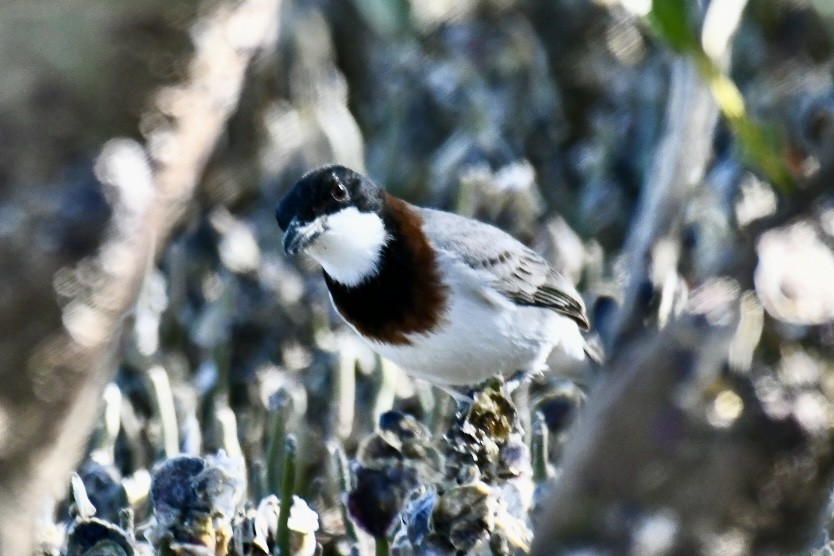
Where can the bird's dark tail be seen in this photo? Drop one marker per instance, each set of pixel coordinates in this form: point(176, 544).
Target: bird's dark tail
point(594, 349)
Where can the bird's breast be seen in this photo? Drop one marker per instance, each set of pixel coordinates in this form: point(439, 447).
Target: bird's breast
point(474, 342)
point(407, 295)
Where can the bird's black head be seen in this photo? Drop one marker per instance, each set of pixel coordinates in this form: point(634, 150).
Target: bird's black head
point(327, 190)
point(335, 215)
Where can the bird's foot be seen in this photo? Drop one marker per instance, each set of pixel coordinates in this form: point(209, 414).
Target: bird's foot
point(515, 380)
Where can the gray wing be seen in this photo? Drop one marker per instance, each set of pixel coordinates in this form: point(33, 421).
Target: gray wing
point(515, 270)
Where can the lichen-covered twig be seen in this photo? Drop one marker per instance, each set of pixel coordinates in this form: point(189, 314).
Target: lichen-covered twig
point(164, 402)
point(287, 485)
point(340, 467)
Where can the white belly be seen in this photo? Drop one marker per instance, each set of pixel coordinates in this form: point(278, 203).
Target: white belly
point(484, 334)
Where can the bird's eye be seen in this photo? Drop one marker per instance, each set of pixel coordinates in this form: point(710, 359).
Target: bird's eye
point(338, 191)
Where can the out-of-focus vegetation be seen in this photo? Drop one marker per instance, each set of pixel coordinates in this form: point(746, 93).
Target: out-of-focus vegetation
point(674, 159)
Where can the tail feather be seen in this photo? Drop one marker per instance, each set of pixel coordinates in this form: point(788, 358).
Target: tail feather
point(595, 350)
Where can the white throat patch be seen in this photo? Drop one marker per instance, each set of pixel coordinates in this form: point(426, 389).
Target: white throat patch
point(350, 245)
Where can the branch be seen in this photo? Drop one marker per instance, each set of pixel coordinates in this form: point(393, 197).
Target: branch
point(679, 166)
point(58, 391)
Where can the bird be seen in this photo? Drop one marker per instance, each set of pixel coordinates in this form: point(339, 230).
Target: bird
point(449, 299)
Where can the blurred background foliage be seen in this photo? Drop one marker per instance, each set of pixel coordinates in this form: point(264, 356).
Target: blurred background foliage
point(672, 158)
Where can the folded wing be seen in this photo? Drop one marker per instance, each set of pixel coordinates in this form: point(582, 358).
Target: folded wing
point(514, 270)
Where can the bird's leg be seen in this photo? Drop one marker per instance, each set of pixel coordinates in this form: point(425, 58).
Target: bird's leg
point(462, 405)
point(515, 380)
point(463, 398)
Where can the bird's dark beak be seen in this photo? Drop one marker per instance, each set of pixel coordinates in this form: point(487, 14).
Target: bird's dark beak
point(299, 236)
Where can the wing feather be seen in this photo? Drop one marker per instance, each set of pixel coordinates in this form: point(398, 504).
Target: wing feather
point(516, 271)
